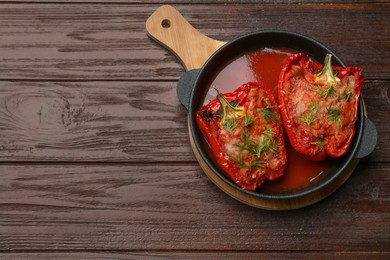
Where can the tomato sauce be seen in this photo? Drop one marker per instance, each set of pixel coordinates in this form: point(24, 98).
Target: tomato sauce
point(264, 66)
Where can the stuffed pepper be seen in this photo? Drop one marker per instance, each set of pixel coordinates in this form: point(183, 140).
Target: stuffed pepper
point(319, 105)
point(244, 131)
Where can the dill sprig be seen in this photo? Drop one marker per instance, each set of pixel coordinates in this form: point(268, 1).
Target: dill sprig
point(256, 149)
point(330, 91)
point(269, 132)
point(334, 115)
point(266, 143)
point(248, 121)
point(239, 161)
point(256, 164)
point(230, 125)
point(271, 145)
point(309, 119)
point(346, 96)
point(245, 136)
point(319, 144)
point(314, 107)
point(311, 116)
point(268, 113)
point(246, 141)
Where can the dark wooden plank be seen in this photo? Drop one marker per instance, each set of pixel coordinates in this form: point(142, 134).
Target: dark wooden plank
point(81, 82)
point(175, 207)
point(90, 121)
point(119, 121)
point(92, 41)
point(198, 1)
point(197, 255)
point(376, 96)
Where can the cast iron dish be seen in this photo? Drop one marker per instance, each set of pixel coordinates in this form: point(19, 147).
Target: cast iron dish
point(192, 88)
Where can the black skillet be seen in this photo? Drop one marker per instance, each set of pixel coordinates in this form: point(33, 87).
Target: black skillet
point(202, 57)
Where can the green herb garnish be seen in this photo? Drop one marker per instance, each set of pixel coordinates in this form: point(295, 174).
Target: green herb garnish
point(248, 121)
point(309, 119)
point(327, 92)
point(319, 144)
point(334, 114)
point(239, 161)
point(267, 113)
point(256, 164)
point(245, 137)
point(271, 145)
point(246, 141)
point(346, 96)
point(269, 132)
point(230, 125)
point(314, 107)
point(255, 149)
point(267, 143)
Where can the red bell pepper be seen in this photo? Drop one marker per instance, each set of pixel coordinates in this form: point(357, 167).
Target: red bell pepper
point(244, 131)
point(319, 105)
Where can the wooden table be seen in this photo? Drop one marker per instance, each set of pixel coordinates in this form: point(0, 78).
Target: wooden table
point(95, 158)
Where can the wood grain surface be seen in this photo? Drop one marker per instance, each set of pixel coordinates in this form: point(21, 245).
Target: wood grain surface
point(119, 121)
point(100, 42)
point(63, 207)
point(95, 159)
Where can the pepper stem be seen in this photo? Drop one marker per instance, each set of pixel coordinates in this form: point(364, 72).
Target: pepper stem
point(326, 73)
point(228, 111)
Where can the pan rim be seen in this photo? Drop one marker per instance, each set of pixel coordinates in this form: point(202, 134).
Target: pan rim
point(335, 175)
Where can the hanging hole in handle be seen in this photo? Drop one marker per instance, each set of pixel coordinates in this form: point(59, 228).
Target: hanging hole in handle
point(166, 23)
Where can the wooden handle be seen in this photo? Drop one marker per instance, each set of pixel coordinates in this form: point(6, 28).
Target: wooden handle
point(168, 27)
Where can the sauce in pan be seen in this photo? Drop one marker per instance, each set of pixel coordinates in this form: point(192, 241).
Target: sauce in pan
point(264, 66)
